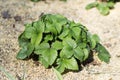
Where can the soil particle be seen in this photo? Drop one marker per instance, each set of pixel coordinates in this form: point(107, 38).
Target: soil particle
point(17, 18)
point(6, 14)
point(108, 45)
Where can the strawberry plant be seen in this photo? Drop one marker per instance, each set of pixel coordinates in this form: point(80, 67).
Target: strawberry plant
point(59, 43)
point(103, 6)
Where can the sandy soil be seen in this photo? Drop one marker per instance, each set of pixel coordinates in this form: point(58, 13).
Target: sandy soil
point(25, 11)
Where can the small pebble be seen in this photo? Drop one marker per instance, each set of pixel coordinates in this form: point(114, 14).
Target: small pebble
point(17, 18)
point(36, 63)
point(1, 61)
point(118, 56)
point(108, 45)
point(13, 25)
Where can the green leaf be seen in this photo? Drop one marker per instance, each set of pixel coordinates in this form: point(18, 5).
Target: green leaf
point(103, 54)
point(110, 4)
point(96, 38)
point(36, 38)
point(43, 61)
point(67, 63)
point(66, 52)
point(58, 27)
point(79, 54)
point(82, 45)
point(25, 51)
point(93, 43)
point(41, 48)
point(22, 53)
point(34, 32)
point(103, 8)
point(72, 24)
point(69, 42)
point(50, 27)
point(59, 76)
point(39, 26)
point(64, 33)
point(91, 5)
point(54, 23)
point(29, 31)
point(48, 37)
point(86, 54)
point(61, 66)
point(57, 45)
point(22, 40)
point(75, 31)
point(93, 40)
point(83, 36)
point(33, 38)
point(49, 55)
point(71, 64)
point(28, 25)
point(61, 20)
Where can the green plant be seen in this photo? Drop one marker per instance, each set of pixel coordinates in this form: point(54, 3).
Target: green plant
point(59, 43)
point(103, 7)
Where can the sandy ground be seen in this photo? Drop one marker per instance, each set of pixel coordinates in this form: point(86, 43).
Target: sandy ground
point(107, 27)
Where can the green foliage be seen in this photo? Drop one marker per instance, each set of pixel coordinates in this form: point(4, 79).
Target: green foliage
point(103, 7)
point(60, 43)
point(103, 54)
point(91, 5)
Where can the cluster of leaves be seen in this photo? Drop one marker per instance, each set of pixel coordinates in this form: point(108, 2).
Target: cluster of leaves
point(59, 43)
point(103, 7)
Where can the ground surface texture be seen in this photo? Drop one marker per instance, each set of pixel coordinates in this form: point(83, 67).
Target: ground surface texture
point(15, 13)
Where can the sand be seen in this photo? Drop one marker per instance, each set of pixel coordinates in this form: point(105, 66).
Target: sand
point(107, 27)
